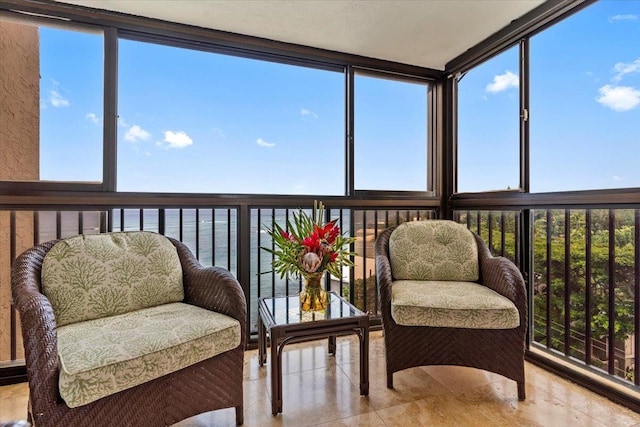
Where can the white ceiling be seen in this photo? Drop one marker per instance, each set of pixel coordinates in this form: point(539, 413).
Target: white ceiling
point(426, 33)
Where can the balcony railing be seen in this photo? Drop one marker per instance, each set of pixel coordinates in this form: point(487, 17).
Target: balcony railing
point(584, 263)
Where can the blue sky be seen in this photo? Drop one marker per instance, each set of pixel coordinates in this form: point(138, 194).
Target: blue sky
point(585, 107)
point(191, 121)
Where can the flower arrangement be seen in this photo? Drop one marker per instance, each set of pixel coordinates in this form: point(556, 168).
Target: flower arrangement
point(308, 247)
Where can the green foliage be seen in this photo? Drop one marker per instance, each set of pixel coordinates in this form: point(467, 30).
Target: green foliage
point(599, 287)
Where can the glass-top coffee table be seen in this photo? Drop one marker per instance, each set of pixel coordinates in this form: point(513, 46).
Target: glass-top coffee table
point(284, 322)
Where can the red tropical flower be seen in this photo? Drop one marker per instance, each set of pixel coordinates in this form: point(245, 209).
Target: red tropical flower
point(312, 242)
point(333, 233)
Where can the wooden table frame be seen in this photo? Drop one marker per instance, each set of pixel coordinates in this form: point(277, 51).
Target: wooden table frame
point(320, 326)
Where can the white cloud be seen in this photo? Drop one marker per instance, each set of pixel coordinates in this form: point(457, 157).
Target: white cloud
point(619, 98)
point(136, 134)
point(261, 142)
point(622, 69)
point(177, 139)
point(122, 122)
point(503, 82)
point(57, 100)
point(618, 178)
point(91, 116)
point(304, 112)
point(623, 18)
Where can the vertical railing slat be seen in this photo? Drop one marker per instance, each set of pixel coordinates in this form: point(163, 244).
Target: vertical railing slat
point(611, 344)
point(567, 281)
point(58, 225)
point(12, 255)
point(502, 234)
point(229, 237)
point(588, 289)
point(490, 229)
point(197, 234)
point(548, 279)
point(364, 258)
point(636, 302)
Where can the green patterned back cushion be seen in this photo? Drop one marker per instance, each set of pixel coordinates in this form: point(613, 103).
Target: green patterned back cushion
point(92, 276)
point(433, 250)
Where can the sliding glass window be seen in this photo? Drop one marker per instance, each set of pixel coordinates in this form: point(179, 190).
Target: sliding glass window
point(390, 134)
point(488, 125)
point(585, 100)
point(192, 121)
point(51, 102)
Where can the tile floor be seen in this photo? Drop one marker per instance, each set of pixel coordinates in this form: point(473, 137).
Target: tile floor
point(322, 390)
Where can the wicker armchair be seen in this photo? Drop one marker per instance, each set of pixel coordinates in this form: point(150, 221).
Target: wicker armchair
point(208, 385)
point(491, 349)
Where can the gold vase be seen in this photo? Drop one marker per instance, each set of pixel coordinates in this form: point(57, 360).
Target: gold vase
point(313, 297)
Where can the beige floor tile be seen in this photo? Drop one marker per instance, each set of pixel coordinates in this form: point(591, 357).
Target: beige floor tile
point(13, 402)
point(409, 385)
point(370, 419)
point(498, 402)
point(440, 410)
point(319, 396)
point(581, 398)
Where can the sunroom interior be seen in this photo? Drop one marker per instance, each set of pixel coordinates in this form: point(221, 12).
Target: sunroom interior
point(209, 121)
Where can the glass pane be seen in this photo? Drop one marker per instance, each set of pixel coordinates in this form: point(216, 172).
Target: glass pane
point(192, 121)
point(585, 100)
point(390, 134)
point(489, 125)
point(52, 80)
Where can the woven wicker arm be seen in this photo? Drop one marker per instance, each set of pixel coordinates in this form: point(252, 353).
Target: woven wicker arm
point(213, 288)
point(383, 274)
point(502, 276)
point(38, 326)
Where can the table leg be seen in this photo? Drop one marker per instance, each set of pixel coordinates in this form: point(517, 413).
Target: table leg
point(364, 361)
point(262, 342)
point(332, 345)
point(276, 374)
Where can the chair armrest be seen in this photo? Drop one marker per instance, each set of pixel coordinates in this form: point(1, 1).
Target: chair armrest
point(384, 278)
point(39, 329)
point(212, 288)
point(502, 276)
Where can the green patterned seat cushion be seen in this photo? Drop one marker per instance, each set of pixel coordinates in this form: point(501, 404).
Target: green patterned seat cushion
point(433, 250)
point(104, 356)
point(92, 276)
point(451, 304)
